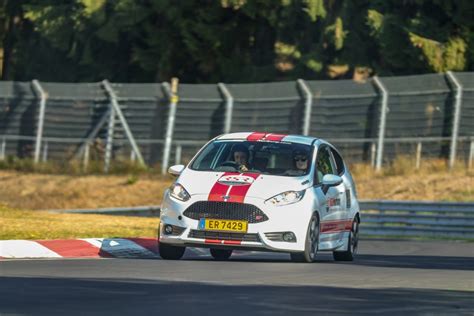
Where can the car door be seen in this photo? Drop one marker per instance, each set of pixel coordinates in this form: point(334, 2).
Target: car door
point(333, 206)
point(340, 170)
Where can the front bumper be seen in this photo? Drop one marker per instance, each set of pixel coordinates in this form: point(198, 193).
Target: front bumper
point(290, 218)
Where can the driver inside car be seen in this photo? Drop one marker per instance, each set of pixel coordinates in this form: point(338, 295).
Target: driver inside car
point(241, 155)
point(300, 163)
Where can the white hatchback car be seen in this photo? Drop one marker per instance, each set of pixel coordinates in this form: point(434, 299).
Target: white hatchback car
point(258, 191)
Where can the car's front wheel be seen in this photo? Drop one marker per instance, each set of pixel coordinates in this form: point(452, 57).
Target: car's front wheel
point(353, 244)
point(221, 254)
point(311, 244)
point(170, 252)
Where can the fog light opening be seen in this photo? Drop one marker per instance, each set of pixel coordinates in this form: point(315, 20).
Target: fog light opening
point(289, 237)
point(168, 229)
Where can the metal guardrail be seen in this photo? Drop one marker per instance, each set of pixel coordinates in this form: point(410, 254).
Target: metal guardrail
point(379, 218)
point(417, 219)
point(148, 211)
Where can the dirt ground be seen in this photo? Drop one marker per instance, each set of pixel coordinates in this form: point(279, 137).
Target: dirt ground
point(42, 191)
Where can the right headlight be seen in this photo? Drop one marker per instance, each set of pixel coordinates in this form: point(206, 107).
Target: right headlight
point(178, 192)
point(285, 198)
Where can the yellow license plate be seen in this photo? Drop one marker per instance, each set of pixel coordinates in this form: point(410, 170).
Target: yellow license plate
point(223, 225)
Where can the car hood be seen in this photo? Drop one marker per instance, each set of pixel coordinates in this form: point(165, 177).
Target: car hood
point(240, 185)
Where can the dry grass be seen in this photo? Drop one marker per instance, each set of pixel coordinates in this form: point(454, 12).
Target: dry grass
point(20, 224)
point(399, 181)
point(43, 191)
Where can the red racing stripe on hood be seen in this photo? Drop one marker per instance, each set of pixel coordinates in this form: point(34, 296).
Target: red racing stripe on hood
point(238, 192)
point(219, 190)
point(235, 193)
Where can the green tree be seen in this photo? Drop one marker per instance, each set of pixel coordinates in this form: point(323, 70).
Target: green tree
point(232, 40)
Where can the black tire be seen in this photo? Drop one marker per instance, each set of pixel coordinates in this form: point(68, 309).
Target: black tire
point(169, 252)
point(353, 243)
point(221, 254)
point(311, 243)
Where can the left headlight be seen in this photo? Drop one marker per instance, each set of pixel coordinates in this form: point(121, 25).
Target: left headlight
point(286, 198)
point(178, 192)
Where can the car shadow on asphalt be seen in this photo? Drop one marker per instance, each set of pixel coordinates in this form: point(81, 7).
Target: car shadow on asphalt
point(70, 296)
point(416, 262)
point(388, 261)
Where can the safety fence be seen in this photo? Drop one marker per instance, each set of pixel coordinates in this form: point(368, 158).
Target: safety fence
point(418, 219)
point(374, 121)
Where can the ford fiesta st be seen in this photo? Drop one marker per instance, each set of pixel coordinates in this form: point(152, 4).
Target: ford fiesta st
point(258, 191)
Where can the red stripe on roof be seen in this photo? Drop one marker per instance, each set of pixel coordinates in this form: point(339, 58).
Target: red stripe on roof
point(72, 248)
point(275, 137)
point(256, 136)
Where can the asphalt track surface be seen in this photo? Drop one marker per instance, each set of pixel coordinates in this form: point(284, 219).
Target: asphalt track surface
point(388, 277)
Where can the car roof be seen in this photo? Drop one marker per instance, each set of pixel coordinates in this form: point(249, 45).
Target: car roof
point(261, 136)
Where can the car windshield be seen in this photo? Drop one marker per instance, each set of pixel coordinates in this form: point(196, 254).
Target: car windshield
point(282, 159)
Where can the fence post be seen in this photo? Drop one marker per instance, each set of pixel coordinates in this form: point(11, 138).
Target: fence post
point(382, 122)
point(471, 154)
point(85, 162)
point(110, 140)
point(229, 105)
point(373, 150)
point(39, 130)
point(418, 155)
point(3, 148)
point(45, 152)
point(177, 160)
point(456, 119)
point(128, 132)
point(173, 98)
point(308, 104)
point(93, 133)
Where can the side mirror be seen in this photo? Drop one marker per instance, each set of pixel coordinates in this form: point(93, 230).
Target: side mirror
point(330, 180)
point(176, 170)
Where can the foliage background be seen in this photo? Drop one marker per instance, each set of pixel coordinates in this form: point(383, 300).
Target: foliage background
point(232, 40)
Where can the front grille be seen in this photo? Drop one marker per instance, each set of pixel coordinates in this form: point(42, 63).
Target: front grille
point(225, 210)
point(202, 234)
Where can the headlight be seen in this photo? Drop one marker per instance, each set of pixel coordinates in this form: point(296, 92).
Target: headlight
point(178, 192)
point(286, 198)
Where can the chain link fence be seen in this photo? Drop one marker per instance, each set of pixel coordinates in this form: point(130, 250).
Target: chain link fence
point(375, 121)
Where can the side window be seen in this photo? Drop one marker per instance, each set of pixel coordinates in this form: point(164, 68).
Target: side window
point(339, 162)
point(323, 164)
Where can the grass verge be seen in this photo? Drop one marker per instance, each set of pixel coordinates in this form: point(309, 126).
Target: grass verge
point(22, 224)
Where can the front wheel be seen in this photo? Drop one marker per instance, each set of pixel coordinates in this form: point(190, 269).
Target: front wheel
point(353, 244)
point(169, 252)
point(311, 244)
point(221, 254)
